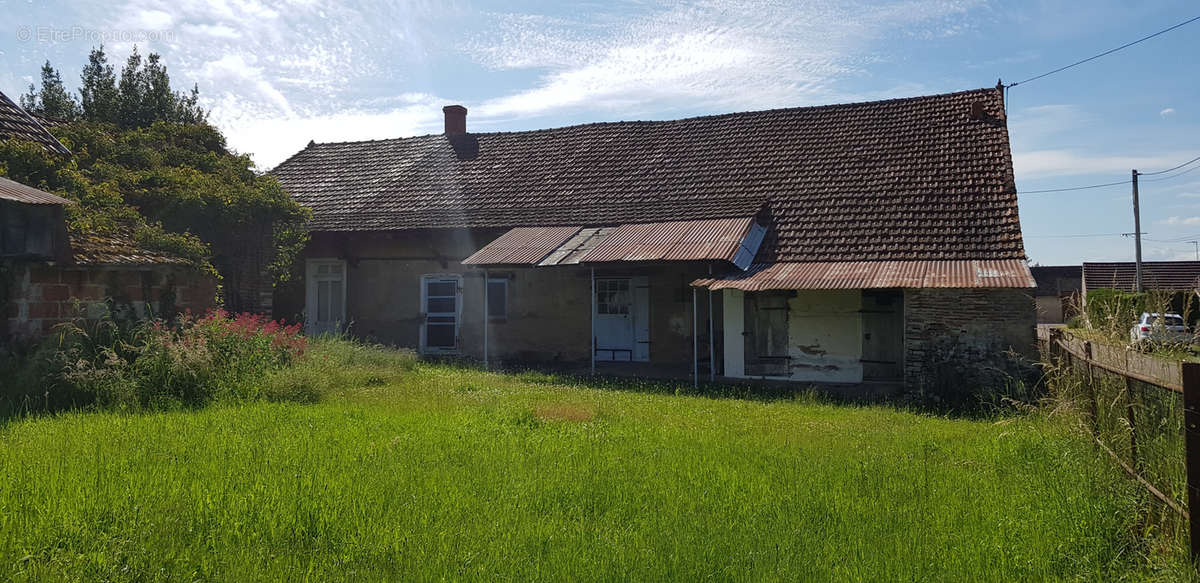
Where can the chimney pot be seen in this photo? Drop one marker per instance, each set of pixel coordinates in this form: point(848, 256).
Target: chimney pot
point(977, 110)
point(456, 119)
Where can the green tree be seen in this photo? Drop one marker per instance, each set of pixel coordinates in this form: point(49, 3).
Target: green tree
point(98, 88)
point(53, 99)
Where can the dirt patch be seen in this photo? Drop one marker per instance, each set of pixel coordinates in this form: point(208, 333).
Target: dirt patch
point(565, 412)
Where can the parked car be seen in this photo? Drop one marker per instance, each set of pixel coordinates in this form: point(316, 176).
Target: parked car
point(1160, 328)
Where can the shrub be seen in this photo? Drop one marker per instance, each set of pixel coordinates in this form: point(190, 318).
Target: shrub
point(115, 364)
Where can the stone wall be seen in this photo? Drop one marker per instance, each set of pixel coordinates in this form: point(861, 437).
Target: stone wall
point(959, 337)
point(37, 297)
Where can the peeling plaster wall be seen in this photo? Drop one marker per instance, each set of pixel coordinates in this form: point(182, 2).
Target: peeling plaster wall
point(825, 336)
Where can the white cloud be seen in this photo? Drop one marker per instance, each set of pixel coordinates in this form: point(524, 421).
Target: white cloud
point(1180, 221)
point(1052, 163)
point(1168, 112)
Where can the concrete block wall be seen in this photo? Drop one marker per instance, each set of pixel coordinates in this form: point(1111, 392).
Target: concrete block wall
point(38, 297)
point(977, 325)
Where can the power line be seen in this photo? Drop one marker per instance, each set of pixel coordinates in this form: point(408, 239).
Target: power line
point(1192, 161)
point(1072, 188)
point(1108, 52)
point(1075, 236)
point(1189, 170)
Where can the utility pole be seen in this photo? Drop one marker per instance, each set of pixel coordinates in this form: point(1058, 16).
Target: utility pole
point(1137, 233)
point(1196, 244)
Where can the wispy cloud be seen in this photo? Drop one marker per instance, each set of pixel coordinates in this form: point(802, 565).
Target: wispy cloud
point(1167, 113)
point(1180, 221)
point(714, 53)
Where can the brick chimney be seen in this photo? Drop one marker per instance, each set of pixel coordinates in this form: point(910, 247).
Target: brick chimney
point(456, 119)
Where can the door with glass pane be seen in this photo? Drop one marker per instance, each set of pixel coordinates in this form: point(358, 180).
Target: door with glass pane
point(614, 319)
point(441, 305)
point(325, 301)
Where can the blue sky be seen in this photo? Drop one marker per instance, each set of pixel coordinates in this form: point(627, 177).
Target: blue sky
point(277, 74)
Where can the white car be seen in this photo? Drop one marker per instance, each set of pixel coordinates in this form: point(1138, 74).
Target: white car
point(1160, 328)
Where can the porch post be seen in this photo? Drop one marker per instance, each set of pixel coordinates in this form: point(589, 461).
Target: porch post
point(592, 303)
point(486, 317)
point(695, 345)
point(712, 345)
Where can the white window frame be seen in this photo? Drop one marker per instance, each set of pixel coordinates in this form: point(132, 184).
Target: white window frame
point(504, 282)
point(457, 314)
point(312, 280)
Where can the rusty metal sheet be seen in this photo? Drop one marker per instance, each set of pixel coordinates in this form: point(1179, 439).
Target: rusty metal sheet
point(673, 241)
point(522, 246)
point(1005, 273)
point(17, 192)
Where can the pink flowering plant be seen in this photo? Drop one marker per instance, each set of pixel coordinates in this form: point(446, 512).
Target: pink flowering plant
point(156, 365)
point(217, 355)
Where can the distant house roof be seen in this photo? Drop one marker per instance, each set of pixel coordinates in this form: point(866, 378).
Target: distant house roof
point(116, 250)
point(1054, 280)
point(17, 192)
point(1161, 275)
point(17, 123)
point(923, 178)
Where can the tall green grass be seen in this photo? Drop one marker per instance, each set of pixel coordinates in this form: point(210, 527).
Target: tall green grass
point(411, 471)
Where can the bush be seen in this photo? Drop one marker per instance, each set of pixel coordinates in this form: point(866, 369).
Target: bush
point(114, 364)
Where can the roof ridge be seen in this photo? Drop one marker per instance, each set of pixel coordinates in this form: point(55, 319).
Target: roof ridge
point(822, 107)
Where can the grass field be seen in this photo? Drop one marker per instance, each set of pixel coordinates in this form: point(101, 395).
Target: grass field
point(428, 472)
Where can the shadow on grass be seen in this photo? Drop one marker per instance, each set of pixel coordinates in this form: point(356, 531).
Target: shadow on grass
point(884, 394)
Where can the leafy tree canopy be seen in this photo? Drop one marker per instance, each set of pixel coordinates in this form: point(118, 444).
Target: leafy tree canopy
point(159, 171)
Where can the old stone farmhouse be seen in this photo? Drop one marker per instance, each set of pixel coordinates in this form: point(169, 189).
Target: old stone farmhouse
point(844, 243)
point(49, 275)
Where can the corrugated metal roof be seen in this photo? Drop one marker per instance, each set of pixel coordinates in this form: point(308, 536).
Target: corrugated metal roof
point(716, 239)
point(522, 246)
point(1162, 275)
point(15, 191)
point(674, 241)
point(1004, 273)
point(576, 247)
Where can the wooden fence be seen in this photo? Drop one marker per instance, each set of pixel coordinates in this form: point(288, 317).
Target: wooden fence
point(1179, 378)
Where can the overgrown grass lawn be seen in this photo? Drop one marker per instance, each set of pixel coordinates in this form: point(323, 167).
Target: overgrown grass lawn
point(427, 472)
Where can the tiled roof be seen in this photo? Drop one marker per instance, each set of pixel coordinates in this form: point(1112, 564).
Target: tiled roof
point(116, 250)
point(903, 179)
point(1162, 275)
point(16, 123)
point(17, 192)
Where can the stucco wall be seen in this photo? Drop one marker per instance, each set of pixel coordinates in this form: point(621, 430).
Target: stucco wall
point(548, 308)
point(1049, 310)
point(825, 336)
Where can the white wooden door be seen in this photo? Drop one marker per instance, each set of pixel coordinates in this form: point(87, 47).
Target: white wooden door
point(614, 319)
point(325, 296)
point(441, 306)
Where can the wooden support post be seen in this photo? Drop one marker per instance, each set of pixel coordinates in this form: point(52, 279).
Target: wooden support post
point(1191, 429)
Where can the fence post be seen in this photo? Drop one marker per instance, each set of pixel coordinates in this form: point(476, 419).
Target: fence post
point(1190, 371)
point(1091, 380)
point(1133, 448)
